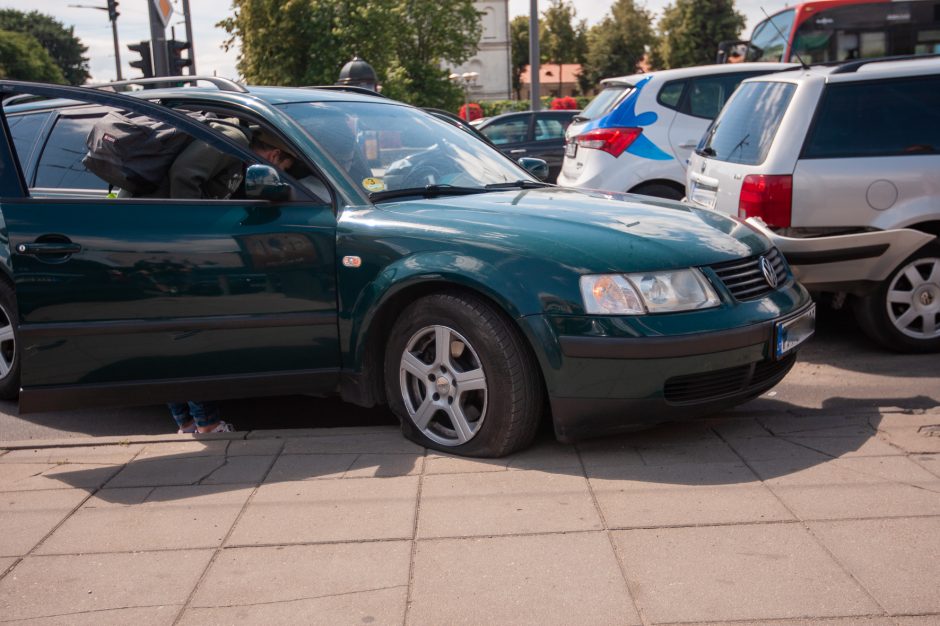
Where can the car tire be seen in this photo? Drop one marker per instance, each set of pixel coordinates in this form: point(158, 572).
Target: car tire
point(9, 344)
point(903, 313)
point(480, 396)
point(659, 190)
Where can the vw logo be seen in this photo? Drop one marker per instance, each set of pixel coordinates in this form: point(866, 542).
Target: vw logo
point(769, 274)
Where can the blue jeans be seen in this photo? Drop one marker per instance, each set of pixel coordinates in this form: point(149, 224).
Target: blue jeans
point(203, 413)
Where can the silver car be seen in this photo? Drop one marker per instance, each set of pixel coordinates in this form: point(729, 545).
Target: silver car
point(843, 165)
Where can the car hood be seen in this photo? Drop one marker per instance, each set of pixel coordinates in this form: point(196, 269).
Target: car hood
point(590, 231)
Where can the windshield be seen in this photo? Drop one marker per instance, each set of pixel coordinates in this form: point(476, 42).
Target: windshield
point(769, 40)
point(746, 127)
point(604, 101)
point(387, 147)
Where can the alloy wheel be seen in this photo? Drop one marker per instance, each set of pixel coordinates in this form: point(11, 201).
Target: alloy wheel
point(913, 299)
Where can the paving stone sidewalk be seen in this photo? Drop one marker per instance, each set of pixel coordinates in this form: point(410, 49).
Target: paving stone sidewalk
point(764, 518)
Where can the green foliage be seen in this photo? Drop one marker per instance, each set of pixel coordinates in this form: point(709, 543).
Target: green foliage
point(55, 41)
point(519, 49)
point(22, 57)
point(306, 42)
point(496, 107)
point(617, 43)
point(561, 40)
point(690, 31)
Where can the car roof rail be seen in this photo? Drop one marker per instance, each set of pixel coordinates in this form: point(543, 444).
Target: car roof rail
point(852, 66)
point(223, 84)
point(350, 88)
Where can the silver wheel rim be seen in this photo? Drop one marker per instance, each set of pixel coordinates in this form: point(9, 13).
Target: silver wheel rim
point(7, 344)
point(913, 299)
point(443, 385)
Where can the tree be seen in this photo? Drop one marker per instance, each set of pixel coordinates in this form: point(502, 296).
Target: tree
point(22, 58)
point(690, 31)
point(58, 42)
point(617, 43)
point(306, 42)
point(561, 40)
point(519, 50)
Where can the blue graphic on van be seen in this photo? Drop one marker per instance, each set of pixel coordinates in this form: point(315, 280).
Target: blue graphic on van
point(625, 116)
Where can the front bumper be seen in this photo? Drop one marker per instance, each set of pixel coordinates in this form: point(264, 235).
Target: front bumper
point(605, 385)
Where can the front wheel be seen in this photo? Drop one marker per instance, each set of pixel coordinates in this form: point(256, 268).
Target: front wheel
point(9, 352)
point(461, 379)
point(903, 313)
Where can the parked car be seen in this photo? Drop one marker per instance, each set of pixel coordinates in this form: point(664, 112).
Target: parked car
point(844, 163)
point(445, 280)
point(637, 134)
point(527, 134)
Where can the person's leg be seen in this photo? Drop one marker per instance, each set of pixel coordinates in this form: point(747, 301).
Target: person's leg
point(207, 418)
point(182, 417)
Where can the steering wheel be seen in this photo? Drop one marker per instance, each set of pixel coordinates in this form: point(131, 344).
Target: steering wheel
point(422, 174)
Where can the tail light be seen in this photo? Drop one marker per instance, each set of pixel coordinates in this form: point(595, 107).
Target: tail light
point(767, 197)
point(611, 140)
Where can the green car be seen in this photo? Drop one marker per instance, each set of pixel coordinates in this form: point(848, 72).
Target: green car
point(396, 259)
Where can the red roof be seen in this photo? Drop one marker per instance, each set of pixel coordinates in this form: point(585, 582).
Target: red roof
point(548, 73)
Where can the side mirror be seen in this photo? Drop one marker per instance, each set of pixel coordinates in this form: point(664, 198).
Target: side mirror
point(262, 182)
point(536, 167)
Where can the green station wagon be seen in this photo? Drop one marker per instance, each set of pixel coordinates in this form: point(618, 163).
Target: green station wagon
point(414, 266)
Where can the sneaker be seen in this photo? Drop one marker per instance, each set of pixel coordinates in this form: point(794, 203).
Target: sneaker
point(188, 430)
point(221, 427)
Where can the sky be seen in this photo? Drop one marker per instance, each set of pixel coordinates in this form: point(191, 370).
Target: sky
point(94, 29)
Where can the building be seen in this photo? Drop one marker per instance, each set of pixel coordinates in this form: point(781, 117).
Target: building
point(492, 60)
point(549, 84)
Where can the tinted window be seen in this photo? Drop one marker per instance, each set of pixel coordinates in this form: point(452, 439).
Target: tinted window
point(25, 130)
point(513, 130)
point(708, 94)
point(61, 163)
point(670, 93)
point(898, 117)
point(770, 37)
point(745, 130)
point(551, 127)
point(605, 101)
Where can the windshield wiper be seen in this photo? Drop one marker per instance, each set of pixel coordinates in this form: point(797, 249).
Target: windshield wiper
point(740, 144)
point(518, 184)
point(428, 191)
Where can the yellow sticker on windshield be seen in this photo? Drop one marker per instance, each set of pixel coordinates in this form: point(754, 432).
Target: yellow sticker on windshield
point(373, 184)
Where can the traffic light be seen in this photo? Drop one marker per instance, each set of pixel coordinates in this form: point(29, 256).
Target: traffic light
point(145, 63)
point(177, 62)
point(112, 10)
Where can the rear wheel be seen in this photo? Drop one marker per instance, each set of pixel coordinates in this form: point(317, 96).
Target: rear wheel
point(461, 379)
point(903, 313)
point(9, 347)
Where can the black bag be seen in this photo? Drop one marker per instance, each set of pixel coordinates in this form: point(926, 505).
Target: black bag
point(134, 152)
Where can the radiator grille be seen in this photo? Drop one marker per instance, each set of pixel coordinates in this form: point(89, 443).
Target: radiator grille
point(745, 278)
point(741, 380)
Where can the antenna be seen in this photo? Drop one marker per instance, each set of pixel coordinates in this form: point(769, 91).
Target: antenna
point(779, 32)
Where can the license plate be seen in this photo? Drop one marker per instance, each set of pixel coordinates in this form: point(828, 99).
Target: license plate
point(703, 196)
point(790, 333)
point(571, 149)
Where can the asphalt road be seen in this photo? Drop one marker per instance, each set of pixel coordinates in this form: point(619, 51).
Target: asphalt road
point(839, 371)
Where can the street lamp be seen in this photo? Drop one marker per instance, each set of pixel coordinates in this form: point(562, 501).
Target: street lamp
point(465, 80)
point(112, 17)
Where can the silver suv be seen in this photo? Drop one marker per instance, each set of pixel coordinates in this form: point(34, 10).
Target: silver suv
point(843, 165)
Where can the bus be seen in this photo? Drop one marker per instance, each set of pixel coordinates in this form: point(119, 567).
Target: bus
point(837, 30)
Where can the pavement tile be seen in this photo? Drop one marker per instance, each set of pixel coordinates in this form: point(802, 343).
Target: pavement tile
point(184, 449)
point(438, 463)
point(292, 467)
point(248, 576)
point(294, 433)
point(161, 471)
point(684, 495)
point(704, 452)
point(383, 606)
point(547, 456)
point(6, 562)
point(143, 616)
point(837, 621)
point(744, 572)
point(818, 425)
point(97, 455)
point(740, 428)
point(254, 447)
point(240, 470)
point(385, 465)
point(505, 503)
point(39, 476)
point(329, 510)
point(170, 518)
point(919, 620)
point(536, 579)
point(897, 560)
point(847, 501)
point(27, 516)
point(608, 452)
point(848, 446)
point(930, 462)
point(845, 470)
point(772, 448)
point(386, 442)
point(41, 586)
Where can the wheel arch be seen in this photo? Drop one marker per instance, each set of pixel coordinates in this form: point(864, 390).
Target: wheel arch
point(668, 182)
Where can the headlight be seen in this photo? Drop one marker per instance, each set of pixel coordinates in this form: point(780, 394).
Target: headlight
point(647, 292)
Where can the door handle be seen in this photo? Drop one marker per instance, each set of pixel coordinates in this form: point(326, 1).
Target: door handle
point(518, 151)
point(688, 144)
point(57, 249)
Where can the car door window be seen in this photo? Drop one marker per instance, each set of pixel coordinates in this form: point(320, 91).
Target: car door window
point(514, 130)
point(670, 94)
point(706, 95)
point(60, 165)
point(26, 133)
point(549, 128)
